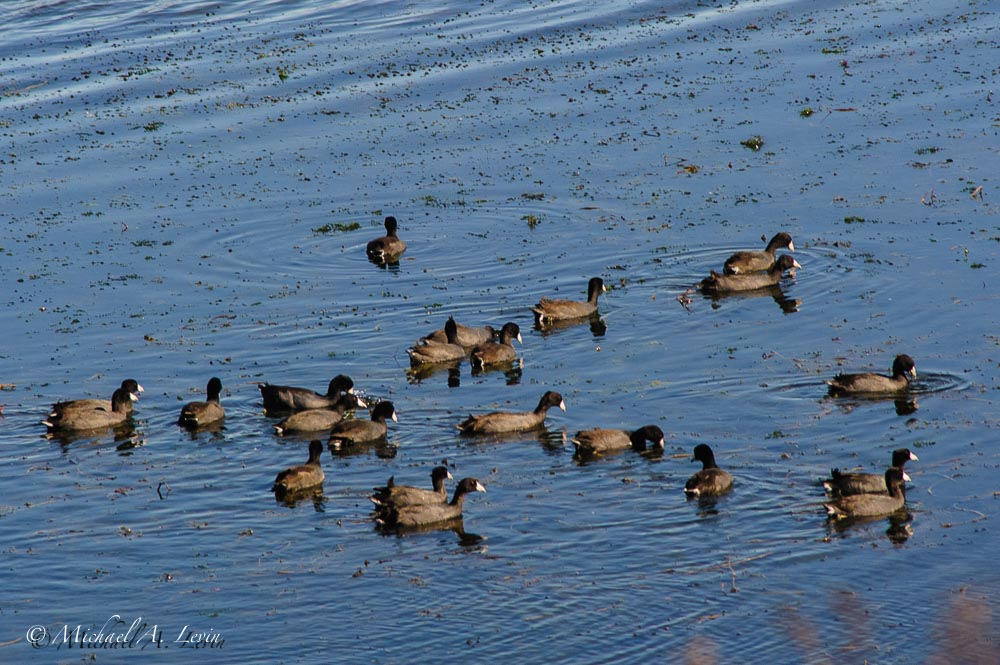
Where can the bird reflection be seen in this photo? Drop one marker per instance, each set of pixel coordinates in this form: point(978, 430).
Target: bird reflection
point(382, 448)
point(904, 405)
point(898, 531)
point(456, 525)
point(124, 435)
point(707, 504)
point(292, 499)
point(417, 374)
point(215, 429)
point(787, 305)
point(552, 442)
point(390, 266)
point(598, 327)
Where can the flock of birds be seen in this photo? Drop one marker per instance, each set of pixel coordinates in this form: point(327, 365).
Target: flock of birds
point(400, 506)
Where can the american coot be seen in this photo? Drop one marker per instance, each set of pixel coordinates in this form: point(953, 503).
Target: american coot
point(744, 262)
point(60, 408)
point(319, 420)
point(503, 421)
point(302, 477)
point(406, 495)
point(871, 383)
point(548, 310)
point(200, 414)
point(604, 440)
point(716, 283)
point(78, 420)
point(439, 352)
point(468, 336)
point(497, 353)
point(843, 484)
point(389, 247)
point(419, 515)
point(711, 480)
point(281, 399)
point(363, 431)
point(871, 505)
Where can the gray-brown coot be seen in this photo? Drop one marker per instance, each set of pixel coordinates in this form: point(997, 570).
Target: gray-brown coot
point(407, 495)
point(842, 484)
point(427, 351)
point(425, 514)
point(363, 431)
point(199, 414)
point(500, 352)
point(319, 420)
point(755, 261)
point(716, 284)
point(83, 419)
point(871, 505)
point(870, 383)
point(468, 336)
point(506, 421)
point(598, 440)
point(282, 399)
point(59, 409)
point(711, 480)
point(549, 310)
point(303, 477)
point(389, 247)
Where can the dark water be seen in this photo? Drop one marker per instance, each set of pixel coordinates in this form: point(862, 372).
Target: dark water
point(167, 175)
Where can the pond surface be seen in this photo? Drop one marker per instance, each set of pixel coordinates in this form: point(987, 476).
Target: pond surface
point(187, 190)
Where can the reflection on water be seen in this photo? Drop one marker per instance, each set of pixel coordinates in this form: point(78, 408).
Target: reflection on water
point(598, 326)
point(900, 527)
point(309, 494)
point(775, 292)
point(904, 405)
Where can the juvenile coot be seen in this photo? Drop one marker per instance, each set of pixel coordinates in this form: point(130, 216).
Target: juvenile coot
point(319, 420)
point(711, 480)
point(843, 484)
point(716, 283)
point(747, 261)
point(61, 408)
point(389, 247)
point(428, 513)
point(280, 399)
point(199, 414)
point(77, 420)
point(302, 477)
point(548, 310)
point(468, 336)
point(363, 431)
point(871, 505)
point(407, 495)
point(903, 369)
point(439, 352)
point(505, 421)
point(604, 440)
point(497, 353)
